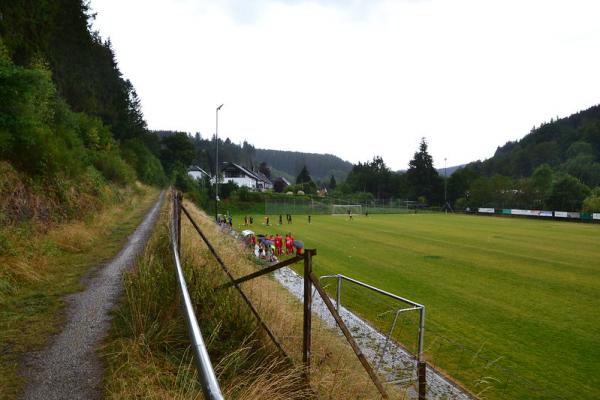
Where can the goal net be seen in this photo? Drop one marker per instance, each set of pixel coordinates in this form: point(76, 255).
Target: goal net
point(345, 209)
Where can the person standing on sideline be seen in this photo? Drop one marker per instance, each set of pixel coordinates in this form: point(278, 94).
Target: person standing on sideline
point(280, 219)
point(309, 216)
point(289, 244)
point(278, 244)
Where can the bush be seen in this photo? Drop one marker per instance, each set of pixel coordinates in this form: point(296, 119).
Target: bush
point(592, 202)
point(147, 166)
point(567, 194)
point(32, 130)
point(114, 168)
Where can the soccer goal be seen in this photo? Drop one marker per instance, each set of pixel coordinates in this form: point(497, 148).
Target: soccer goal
point(345, 209)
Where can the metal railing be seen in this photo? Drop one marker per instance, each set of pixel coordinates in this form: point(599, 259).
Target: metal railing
point(207, 377)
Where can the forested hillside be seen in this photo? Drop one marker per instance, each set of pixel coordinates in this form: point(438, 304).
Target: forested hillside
point(569, 144)
point(321, 166)
point(555, 166)
point(280, 163)
point(70, 124)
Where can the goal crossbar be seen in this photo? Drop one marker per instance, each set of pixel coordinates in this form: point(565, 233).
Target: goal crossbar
point(345, 209)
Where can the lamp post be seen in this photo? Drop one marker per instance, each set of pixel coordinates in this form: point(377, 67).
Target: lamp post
point(217, 164)
point(445, 188)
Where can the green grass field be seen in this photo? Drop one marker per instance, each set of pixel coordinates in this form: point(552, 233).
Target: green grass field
point(522, 294)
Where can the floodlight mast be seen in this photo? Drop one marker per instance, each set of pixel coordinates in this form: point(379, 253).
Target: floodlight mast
point(445, 188)
point(217, 164)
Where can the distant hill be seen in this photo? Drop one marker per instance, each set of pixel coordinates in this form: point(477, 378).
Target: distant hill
point(320, 166)
point(570, 145)
point(449, 170)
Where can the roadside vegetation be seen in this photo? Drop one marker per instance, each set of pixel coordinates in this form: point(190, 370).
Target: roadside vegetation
point(40, 263)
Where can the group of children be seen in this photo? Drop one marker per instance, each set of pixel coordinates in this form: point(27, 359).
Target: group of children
point(270, 246)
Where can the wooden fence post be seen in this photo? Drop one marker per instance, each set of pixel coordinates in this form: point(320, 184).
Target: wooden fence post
point(422, 379)
point(307, 310)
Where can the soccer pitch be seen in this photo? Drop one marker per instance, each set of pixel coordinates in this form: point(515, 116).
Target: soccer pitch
point(513, 305)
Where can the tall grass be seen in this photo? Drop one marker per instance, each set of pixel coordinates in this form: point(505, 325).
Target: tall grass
point(41, 262)
point(148, 352)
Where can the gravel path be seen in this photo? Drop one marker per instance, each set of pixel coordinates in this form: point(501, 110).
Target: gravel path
point(398, 365)
point(70, 368)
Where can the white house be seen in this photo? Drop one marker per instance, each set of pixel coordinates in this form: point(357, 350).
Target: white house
point(243, 177)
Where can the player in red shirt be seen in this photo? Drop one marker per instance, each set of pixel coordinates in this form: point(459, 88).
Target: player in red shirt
point(278, 243)
point(289, 244)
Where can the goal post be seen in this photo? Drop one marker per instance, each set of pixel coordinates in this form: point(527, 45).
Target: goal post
point(345, 209)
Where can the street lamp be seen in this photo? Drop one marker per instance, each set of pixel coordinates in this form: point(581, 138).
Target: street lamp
point(217, 165)
point(445, 188)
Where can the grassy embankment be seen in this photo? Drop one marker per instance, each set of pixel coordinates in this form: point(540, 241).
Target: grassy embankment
point(42, 260)
point(520, 293)
point(148, 351)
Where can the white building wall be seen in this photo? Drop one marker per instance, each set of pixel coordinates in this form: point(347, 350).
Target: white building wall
point(243, 181)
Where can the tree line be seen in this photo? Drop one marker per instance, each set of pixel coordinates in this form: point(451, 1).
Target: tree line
point(556, 167)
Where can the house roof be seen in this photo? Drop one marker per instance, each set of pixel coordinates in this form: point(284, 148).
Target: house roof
point(259, 176)
point(281, 178)
point(262, 177)
point(197, 168)
point(243, 169)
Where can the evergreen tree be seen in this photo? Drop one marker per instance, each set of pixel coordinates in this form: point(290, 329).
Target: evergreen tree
point(423, 178)
point(303, 176)
point(332, 182)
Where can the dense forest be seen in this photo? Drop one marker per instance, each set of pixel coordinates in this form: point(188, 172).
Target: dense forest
point(321, 166)
point(70, 124)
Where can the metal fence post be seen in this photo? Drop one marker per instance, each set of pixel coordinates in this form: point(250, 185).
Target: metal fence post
point(179, 198)
point(307, 310)
point(338, 294)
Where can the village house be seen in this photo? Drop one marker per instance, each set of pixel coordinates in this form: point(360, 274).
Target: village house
point(243, 177)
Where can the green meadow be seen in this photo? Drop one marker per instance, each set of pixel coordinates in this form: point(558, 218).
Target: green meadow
point(513, 305)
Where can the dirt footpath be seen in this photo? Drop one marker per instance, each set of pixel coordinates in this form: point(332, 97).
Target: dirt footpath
point(70, 368)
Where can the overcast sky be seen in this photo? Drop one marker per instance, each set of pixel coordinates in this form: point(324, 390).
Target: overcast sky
point(358, 78)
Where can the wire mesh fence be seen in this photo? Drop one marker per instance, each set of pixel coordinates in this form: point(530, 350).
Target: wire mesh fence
point(317, 206)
